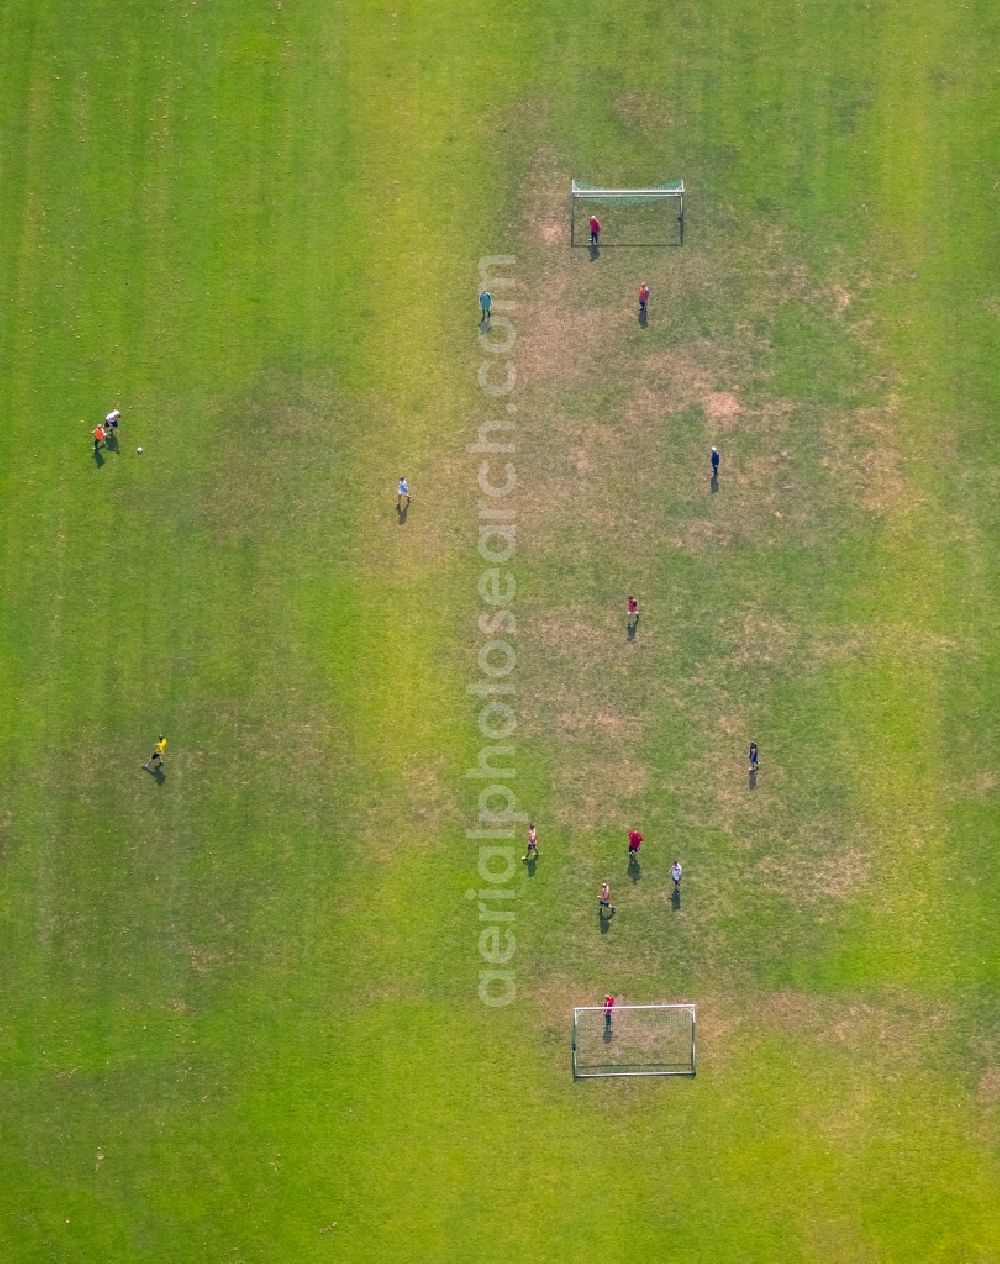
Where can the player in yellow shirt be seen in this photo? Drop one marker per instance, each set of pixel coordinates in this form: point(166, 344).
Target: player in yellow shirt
point(156, 759)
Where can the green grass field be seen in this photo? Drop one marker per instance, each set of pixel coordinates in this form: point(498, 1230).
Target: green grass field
point(240, 1014)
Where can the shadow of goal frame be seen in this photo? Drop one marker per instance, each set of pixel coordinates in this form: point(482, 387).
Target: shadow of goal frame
point(642, 1040)
point(659, 222)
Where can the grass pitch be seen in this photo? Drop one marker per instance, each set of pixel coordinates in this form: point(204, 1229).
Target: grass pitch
point(241, 1019)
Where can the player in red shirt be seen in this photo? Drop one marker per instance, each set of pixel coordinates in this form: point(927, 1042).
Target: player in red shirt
point(595, 229)
point(632, 618)
point(643, 299)
point(609, 1005)
point(634, 843)
point(98, 437)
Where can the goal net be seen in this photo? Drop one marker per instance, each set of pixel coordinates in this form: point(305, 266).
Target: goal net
point(640, 1040)
point(629, 217)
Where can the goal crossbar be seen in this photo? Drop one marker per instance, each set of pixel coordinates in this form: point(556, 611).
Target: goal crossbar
point(588, 191)
point(638, 1040)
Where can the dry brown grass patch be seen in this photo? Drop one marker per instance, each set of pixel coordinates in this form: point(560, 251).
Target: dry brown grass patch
point(841, 299)
point(835, 877)
point(814, 879)
point(722, 409)
point(553, 230)
point(423, 795)
point(719, 791)
point(982, 785)
point(594, 793)
point(573, 634)
point(278, 730)
point(988, 1088)
point(907, 643)
point(207, 960)
point(756, 636)
point(589, 447)
point(645, 404)
point(684, 376)
point(861, 453)
point(643, 111)
point(560, 342)
point(577, 501)
point(698, 534)
point(546, 214)
point(897, 1026)
point(556, 995)
point(610, 722)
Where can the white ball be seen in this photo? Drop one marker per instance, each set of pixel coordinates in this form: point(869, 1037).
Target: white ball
point(139, 450)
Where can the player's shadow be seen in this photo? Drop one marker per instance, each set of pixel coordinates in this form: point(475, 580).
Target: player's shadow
point(631, 629)
point(634, 868)
point(609, 1034)
point(605, 921)
point(401, 512)
point(98, 458)
point(675, 900)
point(715, 483)
point(752, 779)
point(111, 442)
point(531, 862)
point(158, 775)
point(643, 318)
point(595, 252)
point(484, 325)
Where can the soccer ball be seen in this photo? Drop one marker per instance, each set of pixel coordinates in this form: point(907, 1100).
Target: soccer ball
point(139, 451)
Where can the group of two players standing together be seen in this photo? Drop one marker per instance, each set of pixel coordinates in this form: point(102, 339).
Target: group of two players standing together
point(104, 432)
point(595, 241)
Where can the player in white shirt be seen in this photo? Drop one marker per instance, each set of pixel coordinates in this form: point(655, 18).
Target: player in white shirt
point(675, 873)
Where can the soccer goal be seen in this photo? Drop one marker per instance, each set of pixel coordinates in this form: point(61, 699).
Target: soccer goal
point(640, 1040)
point(629, 217)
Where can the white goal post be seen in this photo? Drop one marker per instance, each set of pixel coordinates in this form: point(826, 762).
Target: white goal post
point(650, 227)
point(638, 1040)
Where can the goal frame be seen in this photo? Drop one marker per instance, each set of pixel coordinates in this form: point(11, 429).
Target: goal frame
point(673, 191)
point(634, 1070)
